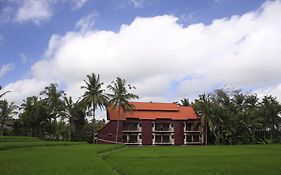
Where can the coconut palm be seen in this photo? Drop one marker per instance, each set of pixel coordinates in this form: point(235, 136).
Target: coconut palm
point(3, 93)
point(119, 98)
point(54, 102)
point(71, 112)
point(6, 112)
point(94, 96)
point(185, 102)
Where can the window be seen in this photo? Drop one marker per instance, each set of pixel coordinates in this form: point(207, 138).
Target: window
point(196, 126)
point(172, 136)
point(133, 139)
point(188, 126)
point(196, 138)
point(158, 139)
point(125, 138)
point(139, 136)
point(162, 138)
point(162, 126)
point(166, 138)
point(130, 126)
point(189, 138)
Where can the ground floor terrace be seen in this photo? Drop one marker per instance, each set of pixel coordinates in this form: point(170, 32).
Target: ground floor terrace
point(152, 132)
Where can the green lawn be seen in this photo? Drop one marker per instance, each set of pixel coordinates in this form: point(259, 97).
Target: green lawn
point(19, 156)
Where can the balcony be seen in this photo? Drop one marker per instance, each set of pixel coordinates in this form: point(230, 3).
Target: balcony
point(192, 127)
point(163, 127)
point(163, 139)
point(132, 139)
point(132, 127)
point(192, 138)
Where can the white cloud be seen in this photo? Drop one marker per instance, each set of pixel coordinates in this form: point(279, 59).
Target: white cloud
point(23, 58)
point(272, 90)
point(34, 10)
point(87, 22)
point(5, 14)
point(137, 3)
point(4, 69)
point(24, 88)
point(79, 3)
point(167, 61)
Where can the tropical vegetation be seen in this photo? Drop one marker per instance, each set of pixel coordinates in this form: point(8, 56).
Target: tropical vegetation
point(227, 116)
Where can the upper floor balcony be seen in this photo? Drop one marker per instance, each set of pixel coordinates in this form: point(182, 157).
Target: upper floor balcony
point(163, 127)
point(132, 127)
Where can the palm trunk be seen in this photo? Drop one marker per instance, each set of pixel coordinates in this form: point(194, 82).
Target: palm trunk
point(2, 132)
point(117, 129)
point(94, 123)
point(206, 133)
point(69, 131)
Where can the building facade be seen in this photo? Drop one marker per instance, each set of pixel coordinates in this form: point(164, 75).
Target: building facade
point(152, 124)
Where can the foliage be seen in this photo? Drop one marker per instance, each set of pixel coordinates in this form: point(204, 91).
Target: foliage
point(120, 98)
point(234, 117)
point(94, 96)
point(6, 112)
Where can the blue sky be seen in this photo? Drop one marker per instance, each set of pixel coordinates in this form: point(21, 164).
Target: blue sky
point(30, 29)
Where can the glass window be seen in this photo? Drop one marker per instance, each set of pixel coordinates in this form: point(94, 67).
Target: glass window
point(157, 138)
point(196, 138)
point(188, 127)
point(125, 138)
point(130, 126)
point(166, 138)
point(133, 139)
point(189, 138)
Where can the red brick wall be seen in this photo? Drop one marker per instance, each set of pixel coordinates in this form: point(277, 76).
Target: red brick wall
point(108, 132)
point(146, 132)
point(178, 132)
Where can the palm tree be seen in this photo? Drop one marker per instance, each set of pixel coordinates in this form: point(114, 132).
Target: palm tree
point(119, 98)
point(185, 102)
point(54, 102)
point(203, 108)
point(2, 94)
point(94, 96)
point(71, 113)
point(6, 112)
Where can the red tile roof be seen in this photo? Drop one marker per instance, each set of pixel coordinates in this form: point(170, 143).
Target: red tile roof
point(153, 111)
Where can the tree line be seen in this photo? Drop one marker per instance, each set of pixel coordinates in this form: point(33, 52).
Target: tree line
point(227, 116)
point(55, 116)
point(234, 117)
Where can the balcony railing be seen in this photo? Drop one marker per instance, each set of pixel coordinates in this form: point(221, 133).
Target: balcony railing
point(160, 127)
point(132, 127)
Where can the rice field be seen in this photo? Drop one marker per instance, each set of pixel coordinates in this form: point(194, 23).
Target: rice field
point(25, 155)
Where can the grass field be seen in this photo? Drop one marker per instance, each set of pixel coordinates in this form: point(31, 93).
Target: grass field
point(197, 160)
point(33, 156)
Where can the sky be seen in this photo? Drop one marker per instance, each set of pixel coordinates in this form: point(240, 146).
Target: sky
point(168, 49)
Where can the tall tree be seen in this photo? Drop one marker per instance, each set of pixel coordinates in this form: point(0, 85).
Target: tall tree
point(34, 116)
point(3, 93)
point(94, 96)
point(120, 98)
point(185, 102)
point(6, 112)
point(72, 111)
point(271, 112)
point(54, 102)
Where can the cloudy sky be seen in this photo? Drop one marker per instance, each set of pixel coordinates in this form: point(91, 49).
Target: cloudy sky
point(168, 49)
